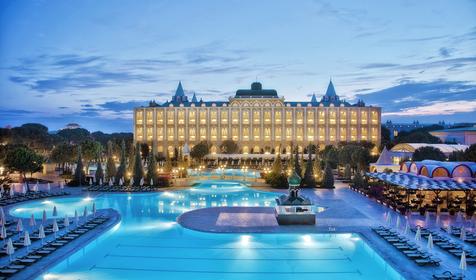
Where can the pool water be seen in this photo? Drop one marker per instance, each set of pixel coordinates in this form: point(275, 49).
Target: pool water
point(229, 172)
point(149, 244)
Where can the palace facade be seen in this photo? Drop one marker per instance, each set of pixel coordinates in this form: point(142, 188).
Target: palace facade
point(257, 119)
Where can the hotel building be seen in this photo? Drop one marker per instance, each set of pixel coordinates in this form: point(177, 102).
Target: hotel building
point(257, 119)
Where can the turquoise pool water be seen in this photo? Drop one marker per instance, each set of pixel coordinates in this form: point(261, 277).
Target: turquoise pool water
point(149, 244)
point(226, 172)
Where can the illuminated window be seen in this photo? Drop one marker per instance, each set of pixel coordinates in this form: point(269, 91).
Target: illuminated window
point(149, 117)
point(277, 116)
point(277, 131)
point(170, 117)
point(160, 133)
point(213, 116)
point(322, 117)
point(300, 116)
point(203, 117)
point(289, 116)
point(160, 117)
point(235, 116)
point(203, 133)
point(181, 117)
point(310, 117)
point(192, 133)
point(343, 117)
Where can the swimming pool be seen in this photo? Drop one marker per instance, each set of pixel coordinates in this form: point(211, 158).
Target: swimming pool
point(228, 172)
point(149, 244)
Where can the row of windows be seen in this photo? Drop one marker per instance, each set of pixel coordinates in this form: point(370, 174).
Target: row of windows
point(256, 116)
point(257, 134)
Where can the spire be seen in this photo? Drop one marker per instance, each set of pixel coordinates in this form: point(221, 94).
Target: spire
point(313, 99)
point(194, 98)
point(179, 91)
point(330, 89)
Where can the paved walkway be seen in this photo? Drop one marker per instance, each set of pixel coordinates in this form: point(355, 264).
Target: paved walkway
point(346, 211)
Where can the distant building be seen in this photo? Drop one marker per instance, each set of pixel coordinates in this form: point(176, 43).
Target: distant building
point(396, 128)
point(405, 150)
point(258, 119)
point(72, 126)
point(461, 135)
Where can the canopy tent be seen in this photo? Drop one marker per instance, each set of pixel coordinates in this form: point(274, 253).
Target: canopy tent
point(415, 182)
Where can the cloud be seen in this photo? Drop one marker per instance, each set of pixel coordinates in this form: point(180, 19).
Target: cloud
point(445, 52)
point(412, 94)
point(378, 65)
point(437, 109)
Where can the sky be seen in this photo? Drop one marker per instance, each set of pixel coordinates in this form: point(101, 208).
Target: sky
point(92, 62)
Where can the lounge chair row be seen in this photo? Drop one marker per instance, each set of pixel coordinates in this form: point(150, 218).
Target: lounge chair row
point(408, 248)
point(456, 231)
point(7, 200)
point(48, 248)
point(446, 244)
point(448, 275)
point(34, 236)
point(122, 189)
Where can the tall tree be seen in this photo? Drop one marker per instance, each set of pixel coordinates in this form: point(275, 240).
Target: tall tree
point(99, 171)
point(297, 164)
point(79, 176)
point(200, 150)
point(328, 180)
point(347, 172)
point(470, 153)
point(62, 154)
point(144, 148)
point(229, 147)
point(24, 160)
point(90, 150)
point(138, 172)
point(121, 171)
point(152, 169)
point(168, 163)
point(111, 164)
point(309, 180)
point(318, 169)
point(131, 159)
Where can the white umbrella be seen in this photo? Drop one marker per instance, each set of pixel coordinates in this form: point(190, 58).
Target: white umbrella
point(85, 212)
point(141, 181)
point(110, 182)
point(10, 249)
point(48, 187)
point(66, 220)
point(427, 219)
point(151, 181)
point(407, 228)
point(2, 215)
point(462, 235)
point(418, 234)
point(448, 228)
point(19, 226)
point(55, 211)
point(3, 234)
point(462, 263)
point(437, 221)
point(131, 182)
point(90, 181)
point(430, 242)
point(12, 192)
point(121, 182)
point(23, 189)
point(76, 218)
point(61, 185)
point(41, 233)
point(397, 225)
point(388, 218)
point(32, 221)
point(55, 227)
point(100, 181)
point(44, 219)
point(94, 208)
point(26, 240)
point(2, 189)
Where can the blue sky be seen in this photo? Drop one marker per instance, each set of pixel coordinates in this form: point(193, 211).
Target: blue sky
point(91, 62)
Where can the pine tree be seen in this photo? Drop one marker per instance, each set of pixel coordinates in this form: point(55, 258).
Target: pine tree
point(309, 180)
point(138, 171)
point(79, 176)
point(110, 165)
point(152, 168)
point(277, 166)
point(301, 163)
point(347, 172)
point(99, 171)
point(297, 165)
point(168, 164)
point(318, 169)
point(121, 171)
point(358, 181)
point(328, 181)
point(131, 159)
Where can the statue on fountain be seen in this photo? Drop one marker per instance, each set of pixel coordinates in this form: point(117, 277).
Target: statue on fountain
point(294, 208)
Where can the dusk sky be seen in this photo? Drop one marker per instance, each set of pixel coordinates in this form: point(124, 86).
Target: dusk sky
point(92, 62)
